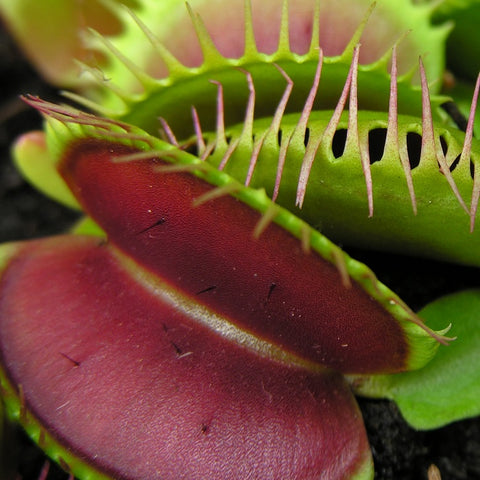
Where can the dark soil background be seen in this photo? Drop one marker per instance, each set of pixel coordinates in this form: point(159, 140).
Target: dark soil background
point(400, 453)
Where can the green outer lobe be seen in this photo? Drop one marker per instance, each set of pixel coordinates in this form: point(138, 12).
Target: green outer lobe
point(336, 198)
point(430, 398)
point(422, 346)
point(140, 359)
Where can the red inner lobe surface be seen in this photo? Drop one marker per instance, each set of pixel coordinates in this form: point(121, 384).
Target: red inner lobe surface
point(268, 286)
point(134, 386)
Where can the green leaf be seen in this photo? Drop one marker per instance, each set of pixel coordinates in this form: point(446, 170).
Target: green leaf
point(7, 459)
point(51, 34)
point(463, 45)
point(448, 388)
point(33, 158)
point(87, 226)
point(129, 197)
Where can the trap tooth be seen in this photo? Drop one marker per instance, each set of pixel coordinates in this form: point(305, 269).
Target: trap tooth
point(196, 229)
point(84, 334)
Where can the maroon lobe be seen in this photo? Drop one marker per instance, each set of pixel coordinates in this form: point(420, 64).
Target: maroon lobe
point(269, 286)
point(130, 383)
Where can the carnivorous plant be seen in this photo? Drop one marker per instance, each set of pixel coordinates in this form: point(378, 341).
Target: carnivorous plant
point(200, 322)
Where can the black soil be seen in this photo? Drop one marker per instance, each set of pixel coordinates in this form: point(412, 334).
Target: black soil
point(399, 451)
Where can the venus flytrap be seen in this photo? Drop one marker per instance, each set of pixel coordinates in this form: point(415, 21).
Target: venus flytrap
point(228, 325)
point(221, 411)
point(371, 88)
point(42, 170)
point(37, 28)
point(207, 276)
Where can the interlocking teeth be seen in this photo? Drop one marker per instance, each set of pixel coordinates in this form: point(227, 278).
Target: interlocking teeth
point(308, 143)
